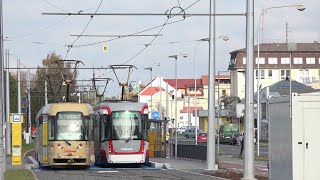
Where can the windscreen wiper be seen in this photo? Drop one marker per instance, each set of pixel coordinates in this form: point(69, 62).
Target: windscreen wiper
point(67, 142)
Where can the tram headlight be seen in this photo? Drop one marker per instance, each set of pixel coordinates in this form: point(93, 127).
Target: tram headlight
point(104, 112)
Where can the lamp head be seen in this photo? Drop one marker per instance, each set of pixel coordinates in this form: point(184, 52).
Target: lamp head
point(300, 7)
point(225, 38)
point(173, 56)
point(184, 55)
point(204, 39)
point(148, 68)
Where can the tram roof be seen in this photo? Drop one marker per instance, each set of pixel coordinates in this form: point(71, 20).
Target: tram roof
point(53, 109)
point(121, 105)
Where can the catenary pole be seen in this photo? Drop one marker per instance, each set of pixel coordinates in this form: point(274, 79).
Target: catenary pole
point(249, 93)
point(8, 125)
point(2, 152)
point(211, 161)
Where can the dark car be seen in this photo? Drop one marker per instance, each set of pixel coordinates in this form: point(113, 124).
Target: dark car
point(236, 139)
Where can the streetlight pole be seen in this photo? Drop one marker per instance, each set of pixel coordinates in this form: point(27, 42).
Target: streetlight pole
point(176, 104)
point(150, 68)
point(176, 109)
point(299, 8)
point(2, 154)
point(225, 38)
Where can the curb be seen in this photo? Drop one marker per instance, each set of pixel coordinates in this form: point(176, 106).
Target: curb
point(34, 165)
point(167, 166)
point(156, 164)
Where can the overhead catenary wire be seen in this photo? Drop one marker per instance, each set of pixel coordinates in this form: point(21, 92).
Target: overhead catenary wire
point(91, 17)
point(36, 32)
point(55, 6)
point(162, 26)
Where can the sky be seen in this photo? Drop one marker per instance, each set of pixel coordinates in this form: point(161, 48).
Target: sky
point(30, 36)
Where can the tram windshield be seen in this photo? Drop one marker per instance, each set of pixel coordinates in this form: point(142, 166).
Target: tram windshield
point(71, 126)
point(123, 125)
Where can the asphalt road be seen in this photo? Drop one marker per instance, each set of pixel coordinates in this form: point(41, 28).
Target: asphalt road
point(119, 173)
point(226, 149)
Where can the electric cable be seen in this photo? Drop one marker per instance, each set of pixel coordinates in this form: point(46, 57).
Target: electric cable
point(91, 17)
point(36, 32)
point(170, 15)
point(55, 6)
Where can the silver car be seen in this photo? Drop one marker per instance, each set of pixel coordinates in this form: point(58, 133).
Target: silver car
point(191, 133)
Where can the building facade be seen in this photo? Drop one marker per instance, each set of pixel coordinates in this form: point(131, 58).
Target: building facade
point(274, 63)
point(192, 94)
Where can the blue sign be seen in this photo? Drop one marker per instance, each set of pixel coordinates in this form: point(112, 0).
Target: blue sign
point(155, 115)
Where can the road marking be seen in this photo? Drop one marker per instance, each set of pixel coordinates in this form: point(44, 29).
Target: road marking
point(107, 171)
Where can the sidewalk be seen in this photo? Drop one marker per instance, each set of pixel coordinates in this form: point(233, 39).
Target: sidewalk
point(26, 162)
point(233, 164)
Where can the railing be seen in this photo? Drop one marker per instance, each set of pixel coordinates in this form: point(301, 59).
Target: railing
point(189, 150)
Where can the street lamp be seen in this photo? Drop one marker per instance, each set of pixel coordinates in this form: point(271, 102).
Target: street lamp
point(150, 68)
point(175, 101)
point(223, 37)
point(300, 7)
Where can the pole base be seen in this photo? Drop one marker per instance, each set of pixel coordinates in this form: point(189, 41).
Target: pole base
point(248, 179)
point(215, 168)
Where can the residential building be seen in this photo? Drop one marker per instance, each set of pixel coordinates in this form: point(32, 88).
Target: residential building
point(189, 98)
point(274, 63)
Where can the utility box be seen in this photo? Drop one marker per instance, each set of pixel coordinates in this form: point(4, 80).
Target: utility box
point(294, 143)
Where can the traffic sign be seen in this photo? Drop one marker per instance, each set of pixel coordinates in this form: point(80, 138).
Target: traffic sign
point(105, 48)
point(155, 115)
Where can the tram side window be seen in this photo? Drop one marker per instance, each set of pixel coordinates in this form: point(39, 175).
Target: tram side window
point(106, 128)
point(145, 127)
point(51, 128)
point(91, 129)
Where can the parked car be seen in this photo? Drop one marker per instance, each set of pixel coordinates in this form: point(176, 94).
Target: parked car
point(182, 130)
point(191, 133)
point(202, 137)
point(226, 131)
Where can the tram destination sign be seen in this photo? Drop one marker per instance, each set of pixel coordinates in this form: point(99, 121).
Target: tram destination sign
point(69, 115)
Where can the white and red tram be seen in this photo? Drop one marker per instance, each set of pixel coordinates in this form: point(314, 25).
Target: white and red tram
point(121, 133)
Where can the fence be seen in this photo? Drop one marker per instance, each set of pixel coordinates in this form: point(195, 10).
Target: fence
point(189, 150)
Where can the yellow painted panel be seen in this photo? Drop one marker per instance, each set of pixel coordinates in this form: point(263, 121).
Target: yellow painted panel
point(62, 107)
point(16, 160)
point(16, 142)
point(45, 134)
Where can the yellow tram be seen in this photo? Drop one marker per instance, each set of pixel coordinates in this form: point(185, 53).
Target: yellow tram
point(64, 135)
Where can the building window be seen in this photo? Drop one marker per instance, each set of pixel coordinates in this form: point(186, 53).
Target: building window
point(304, 76)
point(285, 74)
point(285, 60)
point(244, 60)
point(261, 74)
point(297, 60)
point(270, 74)
point(272, 61)
point(261, 61)
point(311, 60)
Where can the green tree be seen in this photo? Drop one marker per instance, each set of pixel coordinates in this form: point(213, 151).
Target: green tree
point(13, 85)
point(56, 71)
